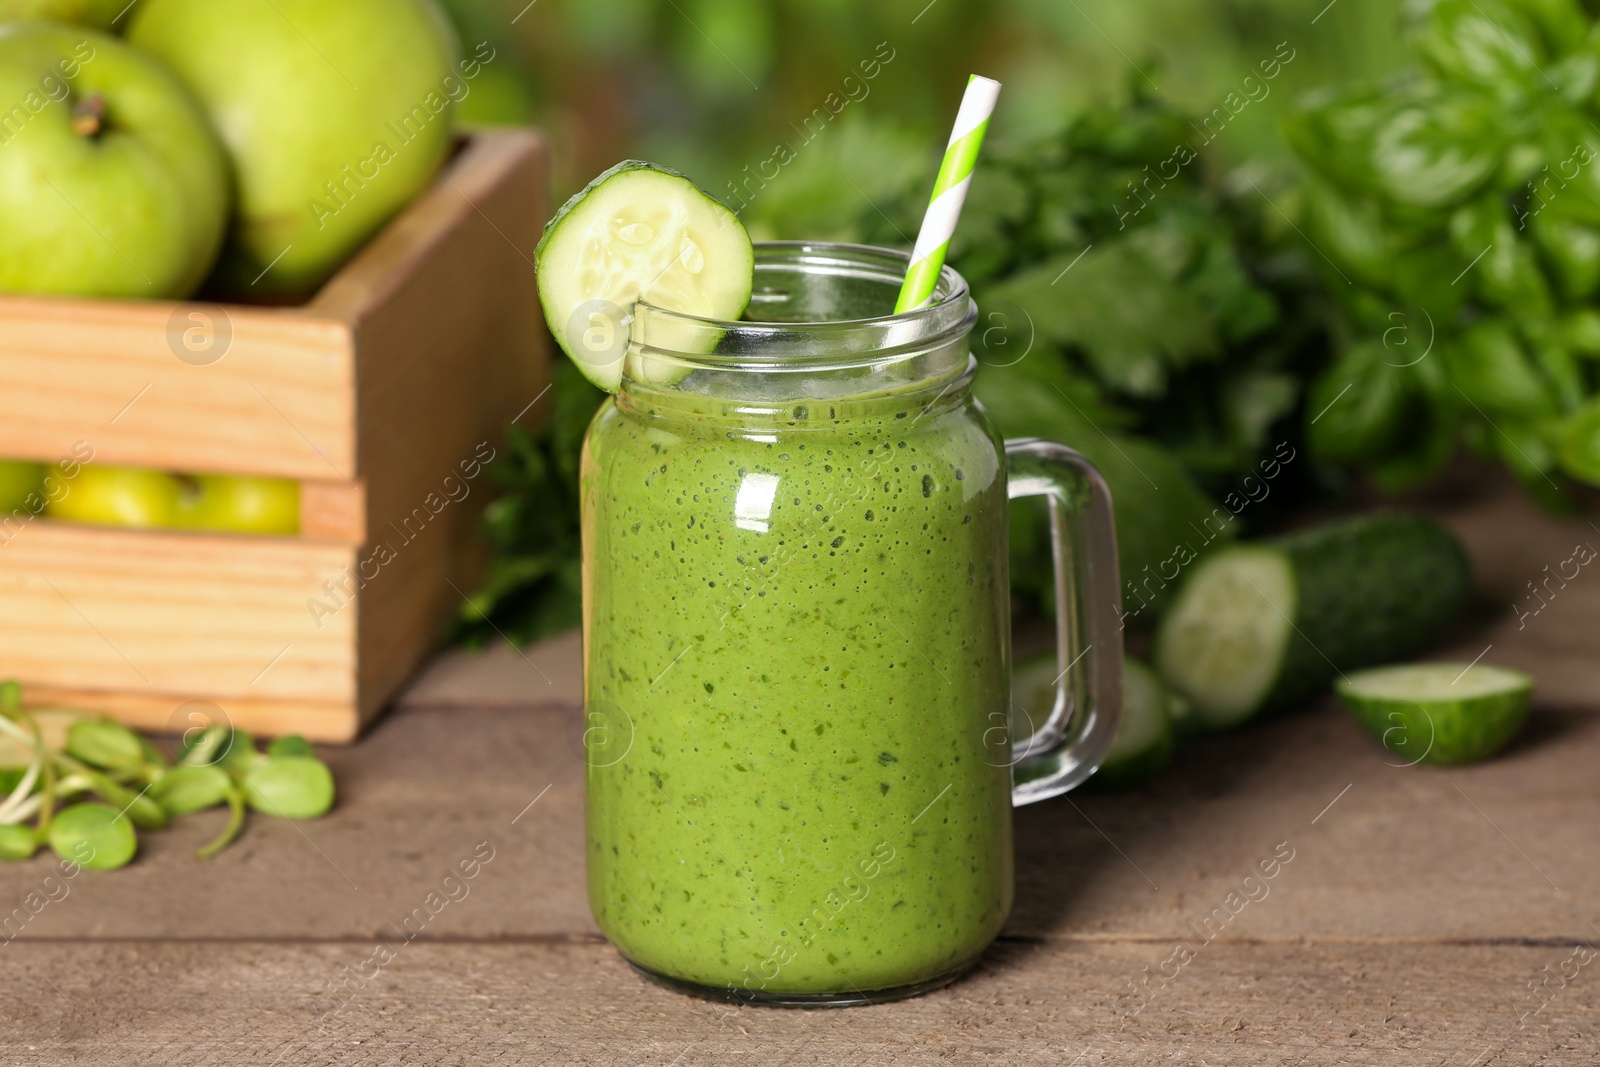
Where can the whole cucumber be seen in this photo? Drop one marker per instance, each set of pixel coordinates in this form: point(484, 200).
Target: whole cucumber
point(1262, 626)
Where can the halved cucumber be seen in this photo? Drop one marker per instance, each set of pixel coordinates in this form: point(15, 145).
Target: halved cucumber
point(1223, 640)
point(1144, 740)
point(1033, 695)
point(1268, 625)
point(638, 232)
point(1439, 712)
point(1180, 712)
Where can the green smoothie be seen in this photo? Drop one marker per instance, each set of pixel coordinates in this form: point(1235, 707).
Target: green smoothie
point(797, 639)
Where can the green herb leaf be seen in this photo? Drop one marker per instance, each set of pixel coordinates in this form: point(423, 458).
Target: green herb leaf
point(1580, 444)
point(1571, 250)
point(1435, 150)
point(1354, 410)
point(93, 836)
point(242, 756)
point(1121, 306)
point(188, 789)
point(105, 744)
point(1492, 369)
point(290, 787)
point(1486, 43)
point(230, 831)
point(292, 745)
point(17, 842)
point(138, 806)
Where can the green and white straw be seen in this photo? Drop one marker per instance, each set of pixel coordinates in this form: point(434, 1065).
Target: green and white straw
point(949, 193)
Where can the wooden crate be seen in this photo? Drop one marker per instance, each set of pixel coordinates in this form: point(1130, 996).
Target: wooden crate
point(381, 396)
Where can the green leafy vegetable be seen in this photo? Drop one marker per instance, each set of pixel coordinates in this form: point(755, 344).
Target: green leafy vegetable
point(1457, 211)
point(290, 787)
point(96, 836)
point(1128, 308)
point(293, 745)
point(533, 586)
point(185, 790)
point(77, 756)
point(17, 842)
point(105, 744)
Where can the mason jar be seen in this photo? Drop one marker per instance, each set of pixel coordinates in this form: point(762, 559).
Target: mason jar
point(796, 627)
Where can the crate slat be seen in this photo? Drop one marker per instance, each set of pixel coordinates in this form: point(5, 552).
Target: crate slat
point(181, 613)
point(280, 402)
point(386, 397)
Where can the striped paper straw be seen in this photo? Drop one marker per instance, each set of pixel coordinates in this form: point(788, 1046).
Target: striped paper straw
point(949, 193)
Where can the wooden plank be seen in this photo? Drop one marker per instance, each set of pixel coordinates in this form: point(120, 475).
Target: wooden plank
point(1425, 918)
point(453, 349)
point(1403, 854)
point(1405, 930)
point(1530, 617)
point(280, 401)
point(1249, 1004)
point(334, 511)
point(175, 713)
point(502, 676)
point(174, 614)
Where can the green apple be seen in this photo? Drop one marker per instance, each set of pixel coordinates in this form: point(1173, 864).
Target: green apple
point(97, 13)
point(228, 504)
point(111, 180)
point(18, 482)
point(335, 113)
point(119, 496)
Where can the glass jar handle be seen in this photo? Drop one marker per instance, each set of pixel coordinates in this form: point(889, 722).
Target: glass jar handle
point(1088, 703)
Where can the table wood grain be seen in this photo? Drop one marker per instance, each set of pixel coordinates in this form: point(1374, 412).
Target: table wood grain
point(1437, 917)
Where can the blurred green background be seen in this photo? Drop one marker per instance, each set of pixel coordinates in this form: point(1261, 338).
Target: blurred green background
point(826, 119)
point(713, 86)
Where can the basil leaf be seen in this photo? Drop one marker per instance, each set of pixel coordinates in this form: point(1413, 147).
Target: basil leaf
point(1334, 134)
point(1571, 252)
point(1349, 231)
point(1580, 331)
point(1437, 149)
point(1485, 43)
point(1562, 23)
point(1504, 270)
point(1354, 408)
point(1580, 444)
point(1491, 368)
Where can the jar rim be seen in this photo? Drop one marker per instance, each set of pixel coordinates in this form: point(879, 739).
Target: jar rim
point(808, 341)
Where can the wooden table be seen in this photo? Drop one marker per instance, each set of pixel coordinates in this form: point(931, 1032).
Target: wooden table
point(1429, 917)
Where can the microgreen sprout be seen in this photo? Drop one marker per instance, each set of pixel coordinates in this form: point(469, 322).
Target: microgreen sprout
point(87, 794)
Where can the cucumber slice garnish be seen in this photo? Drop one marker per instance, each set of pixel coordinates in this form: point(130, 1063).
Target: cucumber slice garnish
point(1223, 641)
point(638, 232)
point(1439, 712)
point(1144, 741)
